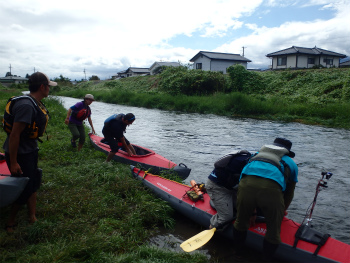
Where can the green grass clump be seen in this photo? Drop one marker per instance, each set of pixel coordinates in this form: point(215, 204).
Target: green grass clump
point(88, 211)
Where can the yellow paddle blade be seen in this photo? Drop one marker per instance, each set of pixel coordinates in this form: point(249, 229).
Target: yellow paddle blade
point(198, 240)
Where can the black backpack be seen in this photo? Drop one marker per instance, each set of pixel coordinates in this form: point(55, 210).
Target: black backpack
point(228, 168)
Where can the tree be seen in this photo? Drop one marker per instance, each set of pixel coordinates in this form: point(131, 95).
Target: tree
point(61, 79)
point(94, 77)
point(238, 75)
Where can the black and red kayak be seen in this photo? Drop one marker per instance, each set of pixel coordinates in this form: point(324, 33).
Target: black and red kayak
point(10, 187)
point(147, 158)
point(201, 211)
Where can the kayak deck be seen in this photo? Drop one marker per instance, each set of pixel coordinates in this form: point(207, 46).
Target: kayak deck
point(145, 157)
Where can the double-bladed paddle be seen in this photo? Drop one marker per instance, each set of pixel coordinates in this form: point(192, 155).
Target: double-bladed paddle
point(198, 240)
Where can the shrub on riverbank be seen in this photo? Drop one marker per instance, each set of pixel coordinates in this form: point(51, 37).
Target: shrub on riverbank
point(88, 211)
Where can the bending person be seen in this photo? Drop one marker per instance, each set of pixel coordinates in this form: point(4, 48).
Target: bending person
point(113, 131)
point(267, 183)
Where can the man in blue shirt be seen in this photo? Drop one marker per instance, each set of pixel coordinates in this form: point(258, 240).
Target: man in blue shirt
point(113, 131)
point(267, 182)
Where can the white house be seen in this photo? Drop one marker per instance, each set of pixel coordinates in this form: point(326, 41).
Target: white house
point(13, 79)
point(215, 61)
point(160, 64)
point(132, 72)
point(301, 57)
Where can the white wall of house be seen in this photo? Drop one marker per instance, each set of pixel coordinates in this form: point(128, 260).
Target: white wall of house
point(215, 65)
point(302, 62)
point(335, 61)
point(202, 60)
point(222, 65)
point(325, 61)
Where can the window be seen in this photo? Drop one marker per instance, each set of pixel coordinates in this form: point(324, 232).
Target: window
point(198, 65)
point(311, 61)
point(328, 61)
point(281, 61)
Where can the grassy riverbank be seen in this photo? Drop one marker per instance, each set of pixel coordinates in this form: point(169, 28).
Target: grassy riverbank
point(320, 97)
point(88, 211)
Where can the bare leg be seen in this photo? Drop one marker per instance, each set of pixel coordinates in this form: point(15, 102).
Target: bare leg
point(31, 203)
point(80, 146)
point(11, 222)
point(110, 156)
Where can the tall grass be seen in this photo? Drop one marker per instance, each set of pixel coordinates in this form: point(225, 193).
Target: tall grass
point(273, 107)
point(88, 211)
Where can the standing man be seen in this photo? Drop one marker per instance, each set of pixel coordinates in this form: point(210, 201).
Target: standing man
point(267, 182)
point(113, 131)
point(25, 120)
point(75, 117)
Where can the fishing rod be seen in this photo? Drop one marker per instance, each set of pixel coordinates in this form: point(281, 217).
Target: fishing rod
point(320, 185)
point(305, 231)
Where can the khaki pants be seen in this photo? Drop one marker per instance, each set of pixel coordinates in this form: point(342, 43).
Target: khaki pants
point(265, 194)
point(224, 201)
point(78, 132)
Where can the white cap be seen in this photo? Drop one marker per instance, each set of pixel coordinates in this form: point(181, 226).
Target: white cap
point(89, 96)
point(51, 83)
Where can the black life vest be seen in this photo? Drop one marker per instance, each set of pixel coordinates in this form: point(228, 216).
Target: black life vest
point(37, 127)
point(228, 168)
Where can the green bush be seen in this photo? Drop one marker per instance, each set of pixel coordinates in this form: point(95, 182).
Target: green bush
point(245, 81)
point(180, 80)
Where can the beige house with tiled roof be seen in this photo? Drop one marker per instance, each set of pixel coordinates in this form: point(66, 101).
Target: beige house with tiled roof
point(301, 57)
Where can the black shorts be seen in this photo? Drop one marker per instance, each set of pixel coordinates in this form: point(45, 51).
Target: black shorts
point(29, 166)
point(113, 143)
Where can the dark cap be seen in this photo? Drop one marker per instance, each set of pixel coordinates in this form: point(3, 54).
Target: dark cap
point(282, 142)
point(129, 117)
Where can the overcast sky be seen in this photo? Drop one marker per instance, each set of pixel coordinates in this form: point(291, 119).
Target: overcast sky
point(104, 37)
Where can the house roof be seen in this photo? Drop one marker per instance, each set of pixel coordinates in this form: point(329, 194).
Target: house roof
point(138, 70)
point(168, 64)
point(220, 56)
point(304, 50)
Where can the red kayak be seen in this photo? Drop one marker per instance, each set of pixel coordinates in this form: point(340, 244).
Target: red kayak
point(147, 158)
point(201, 212)
point(10, 187)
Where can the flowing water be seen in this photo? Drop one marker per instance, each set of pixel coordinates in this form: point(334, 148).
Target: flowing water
point(198, 140)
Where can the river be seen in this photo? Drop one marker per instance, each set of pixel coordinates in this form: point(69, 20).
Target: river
point(198, 140)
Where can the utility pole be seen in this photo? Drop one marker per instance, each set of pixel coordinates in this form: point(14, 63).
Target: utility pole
point(34, 69)
point(243, 50)
point(85, 74)
point(10, 70)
